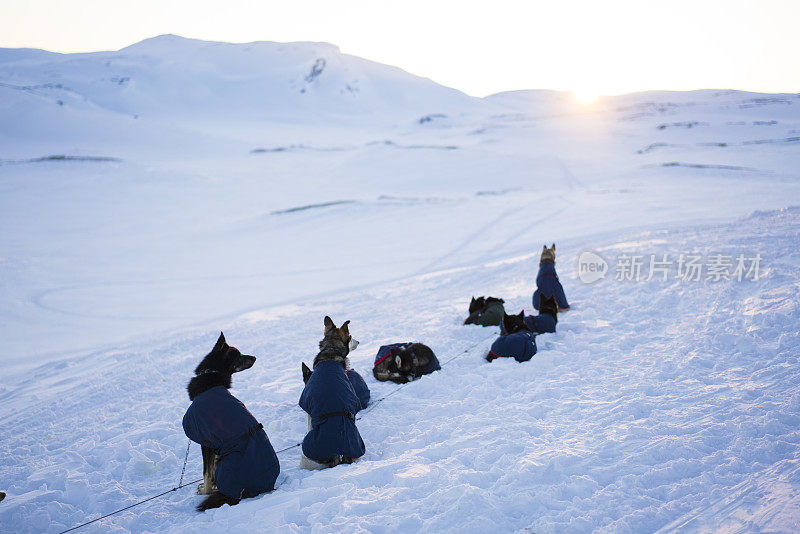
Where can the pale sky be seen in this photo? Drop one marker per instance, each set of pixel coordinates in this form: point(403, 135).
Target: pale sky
point(590, 47)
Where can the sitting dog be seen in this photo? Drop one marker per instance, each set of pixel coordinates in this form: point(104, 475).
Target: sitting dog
point(359, 385)
point(404, 362)
point(516, 340)
point(331, 403)
point(547, 319)
point(485, 311)
point(547, 282)
point(238, 459)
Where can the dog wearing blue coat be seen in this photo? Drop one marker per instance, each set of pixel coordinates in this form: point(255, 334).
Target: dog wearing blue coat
point(238, 459)
point(516, 340)
point(332, 397)
point(546, 321)
point(547, 283)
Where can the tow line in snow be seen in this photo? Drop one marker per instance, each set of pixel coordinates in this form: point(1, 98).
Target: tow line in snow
point(290, 447)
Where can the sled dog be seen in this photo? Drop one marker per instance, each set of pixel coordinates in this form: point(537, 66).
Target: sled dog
point(516, 340)
point(331, 402)
point(238, 459)
point(547, 319)
point(547, 282)
point(486, 311)
point(404, 362)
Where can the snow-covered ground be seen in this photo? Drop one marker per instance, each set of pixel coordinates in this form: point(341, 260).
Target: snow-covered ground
point(249, 194)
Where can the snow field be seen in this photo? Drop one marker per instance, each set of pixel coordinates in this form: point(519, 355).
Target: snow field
point(655, 404)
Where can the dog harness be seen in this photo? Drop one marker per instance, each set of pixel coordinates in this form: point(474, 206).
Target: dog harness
point(349, 415)
point(331, 401)
point(252, 432)
point(218, 420)
point(386, 350)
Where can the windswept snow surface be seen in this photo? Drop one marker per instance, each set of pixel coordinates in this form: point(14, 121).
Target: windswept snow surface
point(153, 196)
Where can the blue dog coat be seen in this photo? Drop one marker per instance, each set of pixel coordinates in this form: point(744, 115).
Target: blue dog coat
point(359, 387)
point(541, 324)
point(385, 351)
point(520, 345)
point(331, 401)
point(219, 421)
point(548, 284)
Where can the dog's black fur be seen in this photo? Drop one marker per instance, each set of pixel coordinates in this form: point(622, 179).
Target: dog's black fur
point(404, 363)
point(478, 305)
point(548, 306)
point(216, 369)
point(2, 495)
point(515, 323)
point(412, 358)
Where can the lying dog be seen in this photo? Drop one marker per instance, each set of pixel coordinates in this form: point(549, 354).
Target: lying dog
point(485, 311)
point(516, 340)
point(547, 282)
point(331, 402)
point(404, 362)
point(238, 459)
point(547, 319)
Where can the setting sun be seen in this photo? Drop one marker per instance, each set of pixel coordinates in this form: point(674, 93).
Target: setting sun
point(585, 97)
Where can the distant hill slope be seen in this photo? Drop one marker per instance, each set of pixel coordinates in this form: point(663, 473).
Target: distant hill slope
point(174, 77)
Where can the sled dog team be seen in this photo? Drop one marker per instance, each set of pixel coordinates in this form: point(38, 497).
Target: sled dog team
point(238, 458)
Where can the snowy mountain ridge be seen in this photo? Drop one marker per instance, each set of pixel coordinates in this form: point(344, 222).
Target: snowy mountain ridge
point(172, 76)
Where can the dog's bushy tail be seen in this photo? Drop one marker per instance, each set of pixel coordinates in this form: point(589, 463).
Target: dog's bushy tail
point(215, 500)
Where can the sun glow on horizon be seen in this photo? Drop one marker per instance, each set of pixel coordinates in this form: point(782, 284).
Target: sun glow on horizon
point(584, 97)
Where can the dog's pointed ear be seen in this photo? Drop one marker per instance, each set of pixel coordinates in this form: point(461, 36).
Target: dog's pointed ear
point(472, 301)
point(220, 342)
point(329, 325)
point(306, 373)
point(544, 247)
point(521, 314)
point(345, 328)
point(554, 247)
point(504, 324)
